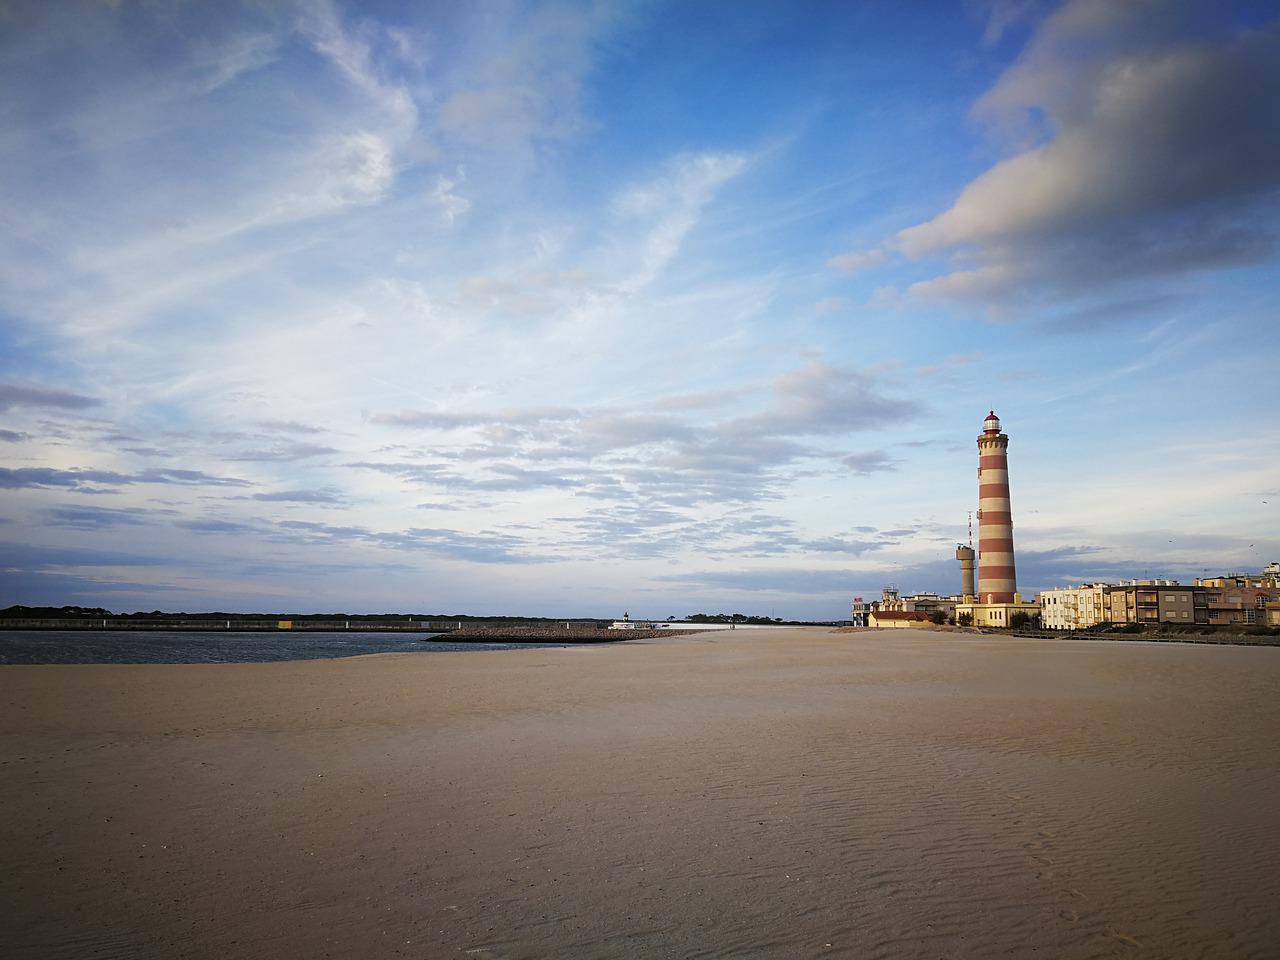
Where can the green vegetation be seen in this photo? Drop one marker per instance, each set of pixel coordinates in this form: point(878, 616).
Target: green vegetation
point(737, 618)
point(20, 612)
point(1261, 631)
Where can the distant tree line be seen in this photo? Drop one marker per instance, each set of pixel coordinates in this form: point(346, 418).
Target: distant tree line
point(736, 618)
point(19, 612)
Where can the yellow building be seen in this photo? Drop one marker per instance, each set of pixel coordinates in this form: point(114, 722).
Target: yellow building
point(897, 619)
point(993, 614)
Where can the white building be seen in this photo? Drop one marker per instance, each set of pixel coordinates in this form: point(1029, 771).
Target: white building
point(1074, 608)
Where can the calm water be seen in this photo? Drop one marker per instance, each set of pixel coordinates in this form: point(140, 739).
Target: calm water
point(129, 646)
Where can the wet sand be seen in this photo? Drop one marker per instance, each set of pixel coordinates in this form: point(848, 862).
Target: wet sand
point(794, 793)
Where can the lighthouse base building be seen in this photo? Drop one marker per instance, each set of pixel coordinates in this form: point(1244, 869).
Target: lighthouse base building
point(995, 614)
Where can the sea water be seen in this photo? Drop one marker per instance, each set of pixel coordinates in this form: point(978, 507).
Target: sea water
point(162, 646)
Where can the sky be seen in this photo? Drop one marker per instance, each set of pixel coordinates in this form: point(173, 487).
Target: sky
point(572, 309)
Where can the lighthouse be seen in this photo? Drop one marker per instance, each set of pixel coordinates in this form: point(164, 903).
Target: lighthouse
point(997, 579)
point(997, 602)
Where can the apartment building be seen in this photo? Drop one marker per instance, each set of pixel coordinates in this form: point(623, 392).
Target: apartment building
point(1154, 601)
point(1074, 608)
point(1238, 599)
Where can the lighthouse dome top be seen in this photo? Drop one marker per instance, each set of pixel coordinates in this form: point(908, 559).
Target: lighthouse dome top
point(991, 424)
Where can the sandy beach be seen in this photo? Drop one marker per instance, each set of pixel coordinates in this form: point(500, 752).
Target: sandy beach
point(790, 793)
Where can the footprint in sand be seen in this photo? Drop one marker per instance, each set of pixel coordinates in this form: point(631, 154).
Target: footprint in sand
point(1127, 940)
point(1069, 915)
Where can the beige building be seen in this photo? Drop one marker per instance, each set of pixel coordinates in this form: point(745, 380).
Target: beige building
point(1271, 614)
point(1074, 608)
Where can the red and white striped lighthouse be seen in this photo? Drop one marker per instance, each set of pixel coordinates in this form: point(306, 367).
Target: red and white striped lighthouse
point(997, 581)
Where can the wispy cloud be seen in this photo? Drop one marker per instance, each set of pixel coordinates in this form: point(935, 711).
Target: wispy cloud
point(16, 478)
point(668, 207)
point(20, 395)
point(663, 455)
point(93, 518)
point(869, 461)
point(857, 260)
point(300, 496)
point(285, 452)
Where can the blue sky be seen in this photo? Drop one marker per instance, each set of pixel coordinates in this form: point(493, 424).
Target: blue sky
point(582, 308)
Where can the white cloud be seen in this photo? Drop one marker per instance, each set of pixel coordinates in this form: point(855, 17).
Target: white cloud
point(1158, 154)
point(362, 169)
point(444, 195)
point(857, 260)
